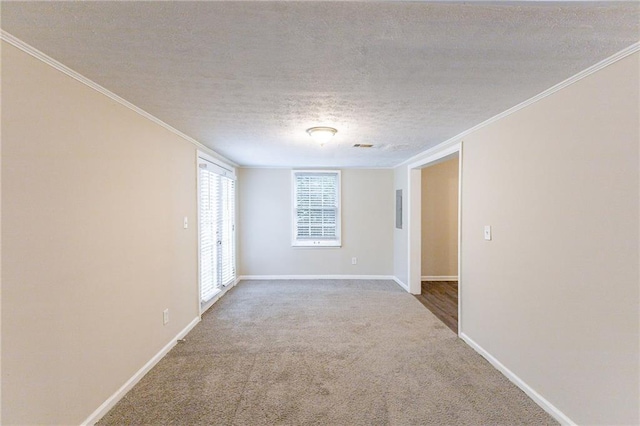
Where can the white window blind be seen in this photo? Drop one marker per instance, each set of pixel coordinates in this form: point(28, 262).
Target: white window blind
point(226, 227)
point(316, 208)
point(217, 229)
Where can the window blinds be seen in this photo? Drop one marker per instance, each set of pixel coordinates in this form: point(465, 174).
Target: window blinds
point(217, 229)
point(226, 227)
point(316, 207)
point(208, 234)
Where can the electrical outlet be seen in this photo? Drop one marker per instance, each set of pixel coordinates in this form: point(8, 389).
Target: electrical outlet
point(165, 316)
point(354, 260)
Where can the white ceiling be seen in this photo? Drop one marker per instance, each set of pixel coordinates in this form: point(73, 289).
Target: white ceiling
point(247, 78)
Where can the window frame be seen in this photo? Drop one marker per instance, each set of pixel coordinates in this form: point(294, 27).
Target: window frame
point(224, 171)
point(318, 243)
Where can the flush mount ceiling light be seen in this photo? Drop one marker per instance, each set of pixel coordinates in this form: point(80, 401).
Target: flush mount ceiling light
point(321, 134)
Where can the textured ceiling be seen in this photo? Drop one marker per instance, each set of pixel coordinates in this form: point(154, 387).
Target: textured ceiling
point(247, 78)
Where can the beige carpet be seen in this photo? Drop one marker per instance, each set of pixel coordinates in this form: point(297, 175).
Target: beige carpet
point(328, 352)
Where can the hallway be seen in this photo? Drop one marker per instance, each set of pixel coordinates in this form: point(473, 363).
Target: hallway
point(441, 298)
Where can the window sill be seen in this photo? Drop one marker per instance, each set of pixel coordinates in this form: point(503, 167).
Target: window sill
point(317, 244)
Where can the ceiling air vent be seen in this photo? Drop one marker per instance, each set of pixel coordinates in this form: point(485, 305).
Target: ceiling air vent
point(363, 145)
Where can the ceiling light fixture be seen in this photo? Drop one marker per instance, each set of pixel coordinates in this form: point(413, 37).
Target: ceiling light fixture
point(321, 134)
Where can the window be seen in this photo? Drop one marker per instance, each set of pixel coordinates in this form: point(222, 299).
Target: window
point(216, 220)
point(316, 208)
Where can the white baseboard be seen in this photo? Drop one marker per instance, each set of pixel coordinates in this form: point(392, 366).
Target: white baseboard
point(217, 297)
point(439, 278)
point(316, 277)
point(535, 396)
point(113, 399)
point(401, 284)
point(324, 277)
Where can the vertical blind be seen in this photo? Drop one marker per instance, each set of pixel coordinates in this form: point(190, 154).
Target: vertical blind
point(217, 230)
point(316, 204)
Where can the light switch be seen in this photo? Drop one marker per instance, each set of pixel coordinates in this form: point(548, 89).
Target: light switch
point(186, 222)
point(487, 232)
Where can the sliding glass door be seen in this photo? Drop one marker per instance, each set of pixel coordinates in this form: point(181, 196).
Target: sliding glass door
point(216, 217)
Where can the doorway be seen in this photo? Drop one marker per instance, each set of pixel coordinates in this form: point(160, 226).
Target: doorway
point(439, 240)
point(434, 255)
point(216, 229)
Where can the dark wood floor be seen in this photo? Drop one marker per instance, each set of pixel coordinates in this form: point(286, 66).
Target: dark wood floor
point(441, 298)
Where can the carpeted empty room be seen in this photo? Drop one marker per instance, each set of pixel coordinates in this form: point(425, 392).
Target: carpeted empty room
point(339, 352)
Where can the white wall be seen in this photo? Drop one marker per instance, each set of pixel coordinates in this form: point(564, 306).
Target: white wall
point(440, 219)
point(555, 296)
point(265, 226)
point(401, 236)
point(93, 247)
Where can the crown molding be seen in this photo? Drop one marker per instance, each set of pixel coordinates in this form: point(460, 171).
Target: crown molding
point(79, 77)
point(575, 78)
point(16, 42)
point(319, 167)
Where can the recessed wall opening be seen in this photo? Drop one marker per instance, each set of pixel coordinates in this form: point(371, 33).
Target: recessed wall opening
point(434, 206)
point(439, 240)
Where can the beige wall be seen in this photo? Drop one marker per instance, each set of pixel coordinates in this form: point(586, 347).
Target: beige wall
point(93, 200)
point(0, 234)
point(93, 249)
point(440, 219)
point(554, 297)
point(265, 226)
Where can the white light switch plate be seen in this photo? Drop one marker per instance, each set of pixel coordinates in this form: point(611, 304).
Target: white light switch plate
point(487, 232)
point(186, 222)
